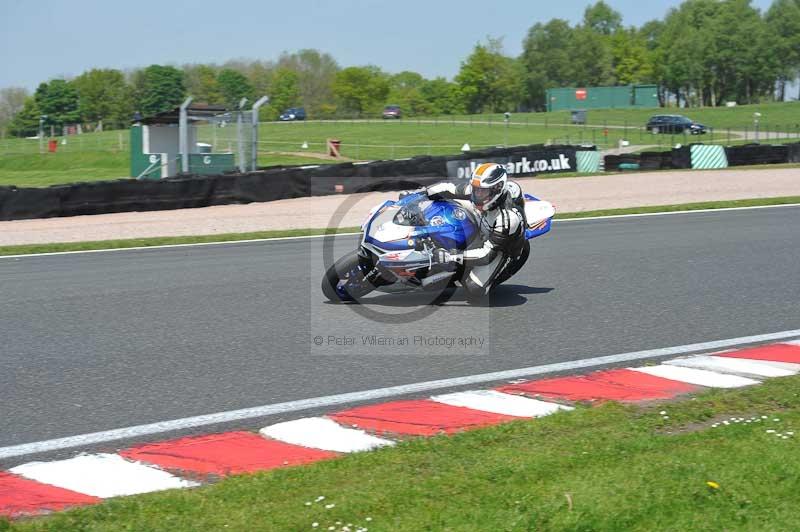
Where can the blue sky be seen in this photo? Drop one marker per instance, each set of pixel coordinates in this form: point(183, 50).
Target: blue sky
point(43, 39)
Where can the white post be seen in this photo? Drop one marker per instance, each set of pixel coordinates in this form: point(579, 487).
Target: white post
point(254, 156)
point(183, 135)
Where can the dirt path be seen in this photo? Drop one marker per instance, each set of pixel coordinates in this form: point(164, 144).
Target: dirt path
point(568, 194)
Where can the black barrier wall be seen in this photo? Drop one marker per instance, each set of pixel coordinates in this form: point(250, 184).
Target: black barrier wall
point(265, 185)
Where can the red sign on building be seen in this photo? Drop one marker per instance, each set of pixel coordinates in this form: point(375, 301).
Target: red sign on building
point(580, 94)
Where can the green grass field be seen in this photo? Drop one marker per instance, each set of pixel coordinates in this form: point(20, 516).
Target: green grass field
point(774, 117)
point(35, 170)
point(96, 156)
point(608, 468)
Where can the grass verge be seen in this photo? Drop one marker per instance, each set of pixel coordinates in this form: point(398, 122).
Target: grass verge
point(233, 237)
point(612, 467)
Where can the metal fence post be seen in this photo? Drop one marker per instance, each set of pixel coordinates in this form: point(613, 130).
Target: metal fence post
point(254, 156)
point(240, 135)
point(41, 133)
point(183, 133)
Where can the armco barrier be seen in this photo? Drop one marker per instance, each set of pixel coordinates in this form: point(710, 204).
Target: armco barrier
point(265, 185)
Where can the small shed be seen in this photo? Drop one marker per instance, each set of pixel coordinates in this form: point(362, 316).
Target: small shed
point(166, 144)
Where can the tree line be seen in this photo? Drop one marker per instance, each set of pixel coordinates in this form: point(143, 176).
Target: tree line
point(703, 52)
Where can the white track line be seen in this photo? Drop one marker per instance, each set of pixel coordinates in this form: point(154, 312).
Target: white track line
point(323, 433)
point(699, 377)
point(275, 239)
point(168, 246)
point(101, 475)
point(500, 403)
point(667, 213)
point(379, 393)
point(737, 366)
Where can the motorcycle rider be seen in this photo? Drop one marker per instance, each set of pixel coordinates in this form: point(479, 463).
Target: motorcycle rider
point(502, 248)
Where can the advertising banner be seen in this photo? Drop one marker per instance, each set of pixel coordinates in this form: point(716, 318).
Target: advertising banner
point(523, 164)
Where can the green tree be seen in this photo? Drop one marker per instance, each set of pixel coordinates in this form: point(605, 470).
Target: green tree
point(444, 97)
point(546, 58)
point(315, 74)
point(59, 101)
point(602, 19)
point(158, 88)
point(201, 83)
point(405, 91)
point(104, 95)
point(26, 121)
point(284, 92)
point(233, 86)
point(783, 19)
point(633, 62)
point(744, 51)
point(489, 80)
point(12, 100)
point(259, 73)
point(360, 90)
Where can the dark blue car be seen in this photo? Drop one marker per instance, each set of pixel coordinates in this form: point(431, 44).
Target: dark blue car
point(293, 113)
point(675, 124)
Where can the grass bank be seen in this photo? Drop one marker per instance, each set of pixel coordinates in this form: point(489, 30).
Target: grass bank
point(232, 237)
point(63, 167)
point(710, 463)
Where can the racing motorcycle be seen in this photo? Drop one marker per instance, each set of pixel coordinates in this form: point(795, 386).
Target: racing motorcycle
point(398, 239)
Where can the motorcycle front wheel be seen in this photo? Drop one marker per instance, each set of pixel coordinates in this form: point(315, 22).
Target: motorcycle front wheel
point(344, 280)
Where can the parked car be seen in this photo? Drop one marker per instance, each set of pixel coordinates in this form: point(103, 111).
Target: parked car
point(293, 113)
point(675, 124)
point(392, 111)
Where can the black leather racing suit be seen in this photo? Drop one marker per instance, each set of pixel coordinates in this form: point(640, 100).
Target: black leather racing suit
point(501, 249)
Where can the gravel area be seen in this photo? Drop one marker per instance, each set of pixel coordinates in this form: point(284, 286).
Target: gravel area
point(568, 194)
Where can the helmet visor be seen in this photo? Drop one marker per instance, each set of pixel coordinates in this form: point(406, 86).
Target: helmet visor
point(484, 196)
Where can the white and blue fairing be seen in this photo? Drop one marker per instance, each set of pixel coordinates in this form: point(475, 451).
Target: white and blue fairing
point(397, 225)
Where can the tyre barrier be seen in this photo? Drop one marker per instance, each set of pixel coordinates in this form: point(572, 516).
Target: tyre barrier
point(269, 184)
point(701, 156)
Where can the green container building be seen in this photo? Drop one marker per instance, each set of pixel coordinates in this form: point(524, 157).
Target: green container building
point(621, 97)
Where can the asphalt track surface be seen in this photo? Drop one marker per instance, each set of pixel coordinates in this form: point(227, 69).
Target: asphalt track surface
point(91, 342)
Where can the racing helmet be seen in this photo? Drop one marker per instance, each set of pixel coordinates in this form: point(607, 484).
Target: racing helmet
point(488, 184)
